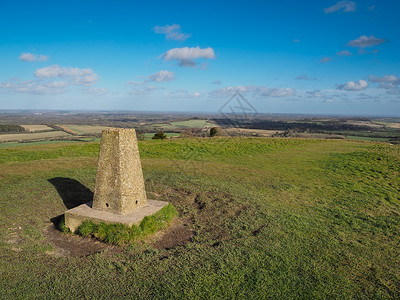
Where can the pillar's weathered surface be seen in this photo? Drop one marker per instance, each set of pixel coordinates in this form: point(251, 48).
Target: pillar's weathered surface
point(119, 185)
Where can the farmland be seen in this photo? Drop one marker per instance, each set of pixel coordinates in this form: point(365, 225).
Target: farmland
point(258, 218)
point(32, 136)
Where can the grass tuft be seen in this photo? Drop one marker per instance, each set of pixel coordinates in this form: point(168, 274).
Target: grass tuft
point(120, 234)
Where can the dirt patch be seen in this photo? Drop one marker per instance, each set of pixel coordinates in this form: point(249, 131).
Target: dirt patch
point(178, 234)
point(74, 245)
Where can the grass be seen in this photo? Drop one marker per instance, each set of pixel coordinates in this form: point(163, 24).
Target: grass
point(24, 144)
point(273, 218)
point(119, 234)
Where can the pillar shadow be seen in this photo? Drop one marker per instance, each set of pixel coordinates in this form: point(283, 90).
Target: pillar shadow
point(72, 192)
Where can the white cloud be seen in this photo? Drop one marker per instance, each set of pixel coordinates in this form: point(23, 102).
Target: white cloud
point(186, 55)
point(386, 78)
point(217, 82)
point(95, 91)
point(161, 76)
point(36, 87)
point(365, 41)
point(344, 53)
point(258, 91)
point(78, 76)
point(386, 82)
point(325, 59)
point(172, 32)
point(32, 57)
point(354, 86)
point(345, 6)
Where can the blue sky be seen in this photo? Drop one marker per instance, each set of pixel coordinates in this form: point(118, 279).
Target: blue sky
point(317, 57)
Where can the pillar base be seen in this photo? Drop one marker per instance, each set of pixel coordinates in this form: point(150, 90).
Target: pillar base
point(75, 216)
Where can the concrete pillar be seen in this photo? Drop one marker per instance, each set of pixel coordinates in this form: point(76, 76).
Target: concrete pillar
point(119, 185)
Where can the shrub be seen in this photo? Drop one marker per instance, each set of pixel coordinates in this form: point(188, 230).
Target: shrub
point(159, 136)
point(213, 131)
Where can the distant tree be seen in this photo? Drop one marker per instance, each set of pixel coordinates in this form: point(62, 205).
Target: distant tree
point(213, 131)
point(11, 128)
point(159, 136)
point(139, 135)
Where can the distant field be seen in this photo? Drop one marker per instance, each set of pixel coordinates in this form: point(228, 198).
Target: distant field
point(365, 123)
point(394, 125)
point(366, 138)
point(32, 136)
point(186, 124)
point(83, 129)
point(255, 132)
point(34, 128)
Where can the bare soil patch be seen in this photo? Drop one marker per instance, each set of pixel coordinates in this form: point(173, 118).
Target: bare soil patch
point(178, 234)
point(73, 245)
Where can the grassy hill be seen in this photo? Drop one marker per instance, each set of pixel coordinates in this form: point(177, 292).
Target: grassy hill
point(277, 218)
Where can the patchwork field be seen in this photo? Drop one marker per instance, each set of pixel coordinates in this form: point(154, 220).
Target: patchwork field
point(186, 124)
point(34, 128)
point(258, 218)
point(83, 129)
point(21, 137)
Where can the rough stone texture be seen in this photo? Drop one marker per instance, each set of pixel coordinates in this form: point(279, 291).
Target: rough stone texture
point(119, 196)
point(119, 185)
point(74, 217)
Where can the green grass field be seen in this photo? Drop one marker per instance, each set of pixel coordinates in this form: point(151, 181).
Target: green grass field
point(272, 218)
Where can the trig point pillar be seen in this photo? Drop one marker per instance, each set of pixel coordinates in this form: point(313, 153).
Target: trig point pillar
point(119, 181)
point(119, 195)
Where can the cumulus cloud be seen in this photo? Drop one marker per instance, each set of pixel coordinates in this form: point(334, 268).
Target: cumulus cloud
point(365, 41)
point(32, 57)
point(36, 87)
point(186, 56)
point(325, 59)
point(386, 82)
point(172, 32)
point(78, 76)
point(161, 76)
point(344, 53)
point(258, 91)
point(344, 6)
point(353, 86)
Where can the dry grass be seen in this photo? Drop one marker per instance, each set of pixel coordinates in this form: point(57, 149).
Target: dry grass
point(34, 128)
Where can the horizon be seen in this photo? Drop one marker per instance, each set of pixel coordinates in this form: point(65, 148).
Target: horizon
point(332, 58)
